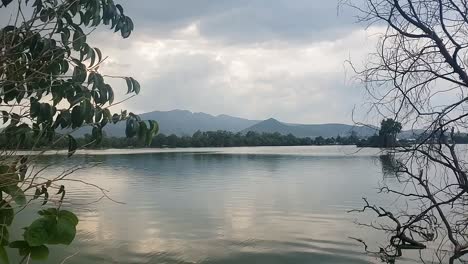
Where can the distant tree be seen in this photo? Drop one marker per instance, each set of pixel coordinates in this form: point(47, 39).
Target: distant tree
point(319, 140)
point(198, 139)
point(172, 140)
point(388, 132)
point(159, 141)
point(338, 139)
point(353, 136)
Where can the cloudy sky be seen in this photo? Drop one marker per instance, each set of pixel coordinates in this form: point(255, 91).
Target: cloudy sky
point(249, 58)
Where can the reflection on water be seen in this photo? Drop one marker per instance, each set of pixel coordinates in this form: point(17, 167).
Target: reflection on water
point(390, 165)
point(238, 205)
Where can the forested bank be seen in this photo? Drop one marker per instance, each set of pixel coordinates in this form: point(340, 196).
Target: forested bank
point(198, 139)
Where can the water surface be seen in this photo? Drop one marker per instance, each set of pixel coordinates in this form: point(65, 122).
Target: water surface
point(224, 205)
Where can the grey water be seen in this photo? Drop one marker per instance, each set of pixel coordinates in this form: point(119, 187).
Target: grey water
point(222, 205)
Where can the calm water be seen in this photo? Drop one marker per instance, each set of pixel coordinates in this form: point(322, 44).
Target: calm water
point(230, 205)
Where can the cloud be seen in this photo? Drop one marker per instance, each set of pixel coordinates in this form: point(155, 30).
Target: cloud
point(249, 58)
point(295, 82)
point(244, 21)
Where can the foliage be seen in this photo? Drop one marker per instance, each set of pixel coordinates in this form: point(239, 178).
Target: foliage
point(200, 139)
point(387, 136)
point(50, 79)
point(389, 129)
point(229, 139)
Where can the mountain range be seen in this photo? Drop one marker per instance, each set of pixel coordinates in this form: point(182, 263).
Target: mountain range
point(312, 131)
point(183, 122)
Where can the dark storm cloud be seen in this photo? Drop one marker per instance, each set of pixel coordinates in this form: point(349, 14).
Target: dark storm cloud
point(245, 21)
point(238, 21)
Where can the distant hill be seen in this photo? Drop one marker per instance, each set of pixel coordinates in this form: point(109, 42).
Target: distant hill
point(299, 130)
point(411, 134)
point(180, 123)
point(183, 122)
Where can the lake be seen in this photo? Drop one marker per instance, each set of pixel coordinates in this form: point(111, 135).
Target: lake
point(222, 205)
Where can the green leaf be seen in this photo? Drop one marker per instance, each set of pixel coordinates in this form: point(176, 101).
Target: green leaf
point(35, 107)
point(64, 66)
point(15, 119)
point(124, 30)
point(98, 115)
point(79, 73)
point(24, 251)
point(64, 233)
point(84, 52)
point(22, 246)
point(72, 145)
point(22, 171)
point(98, 51)
point(97, 134)
point(91, 77)
point(37, 193)
point(43, 16)
point(40, 231)
point(131, 128)
point(136, 85)
point(8, 176)
point(86, 17)
point(142, 130)
point(59, 25)
point(39, 253)
point(129, 25)
point(115, 118)
point(153, 130)
point(19, 244)
point(110, 94)
point(106, 117)
point(45, 112)
point(77, 118)
point(119, 7)
point(46, 197)
point(65, 229)
point(49, 211)
point(4, 235)
point(85, 108)
point(123, 114)
point(6, 213)
point(69, 215)
point(68, 18)
point(61, 190)
point(92, 54)
point(5, 116)
point(129, 85)
point(107, 114)
point(74, 8)
point(79, 38)
point(154, 127)
point(3, 256)
point(16, 193)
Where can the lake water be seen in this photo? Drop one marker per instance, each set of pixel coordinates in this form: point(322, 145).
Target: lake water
point(224, 205)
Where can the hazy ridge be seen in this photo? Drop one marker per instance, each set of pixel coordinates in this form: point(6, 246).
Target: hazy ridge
point(183, 122)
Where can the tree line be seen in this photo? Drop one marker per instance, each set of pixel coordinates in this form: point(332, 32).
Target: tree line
point(384, 138)
point(251, 138)
point(198, 139)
